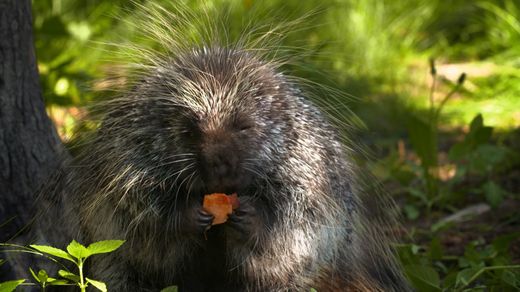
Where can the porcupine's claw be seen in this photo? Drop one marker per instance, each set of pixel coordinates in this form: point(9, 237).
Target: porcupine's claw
point(197, 222)
point(203, 220)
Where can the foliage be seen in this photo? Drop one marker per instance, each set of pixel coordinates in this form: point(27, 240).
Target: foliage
point(10, 285)
point(76, 253)
point(481, 266)
point(441, 145)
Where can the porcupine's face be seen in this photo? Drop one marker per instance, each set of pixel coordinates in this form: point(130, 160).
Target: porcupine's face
point(226, 121)
point(223, 148)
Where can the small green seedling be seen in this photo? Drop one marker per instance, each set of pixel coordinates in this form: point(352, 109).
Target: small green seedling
point(78, 254)
point(43, 279)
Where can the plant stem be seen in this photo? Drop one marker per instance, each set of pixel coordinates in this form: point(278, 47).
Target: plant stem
point(431, 184)
point(82, 285)
point(432, 92)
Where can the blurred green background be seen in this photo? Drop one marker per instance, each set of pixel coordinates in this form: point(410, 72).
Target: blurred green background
point(435, 91)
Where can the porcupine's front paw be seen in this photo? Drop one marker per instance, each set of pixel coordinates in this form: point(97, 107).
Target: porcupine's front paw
point(245, 219)
point(197, 221)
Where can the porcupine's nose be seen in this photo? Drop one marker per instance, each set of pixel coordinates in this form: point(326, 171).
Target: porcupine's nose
point(221, 169)
point(218, 163)
point(220, 159)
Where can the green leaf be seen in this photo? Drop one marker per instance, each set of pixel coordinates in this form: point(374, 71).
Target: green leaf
point(473, 256)
point(511, 278)
point(486, 157)
point(483, 135)
point(42, 275)
point(478, 135)
point(58, 282)
point(415, 248)
point(502, 243)
point(411, 211)
point(53, 251)
point(435, 251)
point(78, 250)
point(476, 123)
point(466, 276)
point(10, 285)
point(104, 246)
point(494, 194)
point(424, 141)
point(459, 150)
point(449, 281)
point(99, 285)
point(424, 278)
point(68, 275)
point(170, 289)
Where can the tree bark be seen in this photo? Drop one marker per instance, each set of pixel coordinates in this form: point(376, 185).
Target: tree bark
point(29, 144)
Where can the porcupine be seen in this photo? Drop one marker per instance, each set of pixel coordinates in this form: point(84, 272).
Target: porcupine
point(213, 117)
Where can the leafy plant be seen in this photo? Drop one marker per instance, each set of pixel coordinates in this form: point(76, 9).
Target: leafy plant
point(424, 137)
point(76, 253)
point(430, 269)
point(44, 280)
point(476, 155)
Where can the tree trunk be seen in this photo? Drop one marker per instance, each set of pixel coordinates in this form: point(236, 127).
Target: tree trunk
point(29, 145)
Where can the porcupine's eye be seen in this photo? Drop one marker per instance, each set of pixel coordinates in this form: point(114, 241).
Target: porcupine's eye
point(244, 127)
point(242, 124)
point(187, 133)
point(190, 128)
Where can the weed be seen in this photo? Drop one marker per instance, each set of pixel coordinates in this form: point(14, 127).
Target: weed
point(76, 253)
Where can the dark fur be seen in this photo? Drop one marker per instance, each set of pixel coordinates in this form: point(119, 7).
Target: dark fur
point(217, 119)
